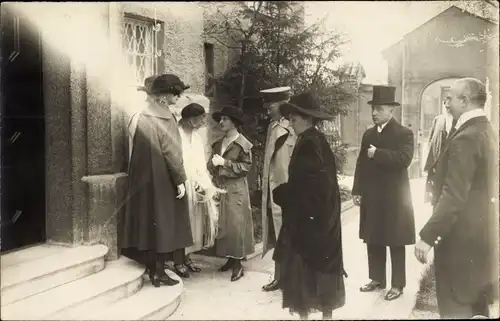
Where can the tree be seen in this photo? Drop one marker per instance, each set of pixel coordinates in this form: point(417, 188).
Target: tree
point(277, 48)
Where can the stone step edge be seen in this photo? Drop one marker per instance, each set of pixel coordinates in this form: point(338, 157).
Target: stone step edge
point(149, 303)
point(82, 291)
point(12, 276)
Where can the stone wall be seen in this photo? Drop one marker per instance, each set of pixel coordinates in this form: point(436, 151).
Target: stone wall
point(426, 59)
point(86, 117)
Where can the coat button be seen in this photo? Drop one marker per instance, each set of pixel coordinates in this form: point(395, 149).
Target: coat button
point(492, 200)
point(436, 242)
point(312, 218)
point(439, 238)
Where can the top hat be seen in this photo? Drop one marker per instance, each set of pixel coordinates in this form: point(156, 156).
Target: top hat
point(192, 110)
point(304, 104)
point(234, 113)
point(163, 84)
point(384, 95)
point(276, 94)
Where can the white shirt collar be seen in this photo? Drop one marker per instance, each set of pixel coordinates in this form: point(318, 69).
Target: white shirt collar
point(276, 122)
point(468, 115)
point(381, 127)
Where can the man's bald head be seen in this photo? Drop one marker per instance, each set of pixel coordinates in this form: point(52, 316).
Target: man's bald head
point(466, 94)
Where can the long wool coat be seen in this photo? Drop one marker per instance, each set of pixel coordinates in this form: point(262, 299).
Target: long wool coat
point(155, 219)
point(235, 232)
point(311, 205)
point(464, 223)
point(386, 211)
point(279, 147)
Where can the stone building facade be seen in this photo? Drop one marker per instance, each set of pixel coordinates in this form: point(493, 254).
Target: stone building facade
point(86, 106)
point(422, 68)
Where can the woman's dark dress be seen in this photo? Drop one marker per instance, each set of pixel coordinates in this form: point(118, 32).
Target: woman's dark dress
point(309, 247)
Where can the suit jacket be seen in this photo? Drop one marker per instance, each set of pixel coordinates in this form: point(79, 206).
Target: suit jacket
point(386, 211)
point(311, 205)
point(464, 224)
point(279, 147)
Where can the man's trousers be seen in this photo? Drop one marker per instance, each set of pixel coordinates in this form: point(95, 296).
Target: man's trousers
point(377, 262)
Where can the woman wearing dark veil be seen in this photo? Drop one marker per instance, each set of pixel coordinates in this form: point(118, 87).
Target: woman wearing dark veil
point(156, 221)
point(309, 246)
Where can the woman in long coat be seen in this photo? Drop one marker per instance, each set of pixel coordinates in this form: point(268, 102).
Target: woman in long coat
point(229, 165)
point(309, 246)
point(156, 221)
point(200, 190)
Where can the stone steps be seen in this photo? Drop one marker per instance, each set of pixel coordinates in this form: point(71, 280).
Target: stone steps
point(148, 304)
point(56, 283)
point(35, 270)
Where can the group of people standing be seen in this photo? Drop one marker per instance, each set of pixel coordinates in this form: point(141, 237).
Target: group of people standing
point(179, 202)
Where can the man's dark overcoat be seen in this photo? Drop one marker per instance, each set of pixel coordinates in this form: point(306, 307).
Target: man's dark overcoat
point(465, 217)
point(155, 219)
point(386, 211)
point(310, 204)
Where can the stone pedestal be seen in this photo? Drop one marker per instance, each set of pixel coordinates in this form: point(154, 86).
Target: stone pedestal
point(105, 211)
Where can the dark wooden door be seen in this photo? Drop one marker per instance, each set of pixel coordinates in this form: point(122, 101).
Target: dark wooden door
point(22, 134)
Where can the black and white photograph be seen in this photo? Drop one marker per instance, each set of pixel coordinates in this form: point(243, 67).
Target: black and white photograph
point(249, 160)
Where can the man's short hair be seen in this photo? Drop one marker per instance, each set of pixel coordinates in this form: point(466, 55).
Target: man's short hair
point(474, 90)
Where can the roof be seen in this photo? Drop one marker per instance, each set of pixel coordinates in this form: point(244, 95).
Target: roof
point(452, 7)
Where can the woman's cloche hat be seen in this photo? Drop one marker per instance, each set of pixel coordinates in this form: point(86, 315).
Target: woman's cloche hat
point(192, 110)
point(305, 104)
point(163, 84)
point(233, 112)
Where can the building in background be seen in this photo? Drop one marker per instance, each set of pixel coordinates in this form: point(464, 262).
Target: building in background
point(423, 66)
point(74, 184)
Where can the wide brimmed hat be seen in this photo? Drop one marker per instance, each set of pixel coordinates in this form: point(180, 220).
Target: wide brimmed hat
point(304, 104)
point(384, 95)
point(233, 112)
point(192, 110)
point(276, 94)
point(163, 84)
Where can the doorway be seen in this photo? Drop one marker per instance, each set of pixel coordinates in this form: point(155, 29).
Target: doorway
point(431, 105)
point(22, 134)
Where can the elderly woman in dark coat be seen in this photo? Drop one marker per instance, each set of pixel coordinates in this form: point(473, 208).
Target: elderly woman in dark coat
point(156, 221)
point(310, 242)
point(229, 164)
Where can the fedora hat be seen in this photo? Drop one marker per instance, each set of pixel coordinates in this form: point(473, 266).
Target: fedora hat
point(163, 84)
point(304, 104)
point(234, 113)
point(192, 110)
point(384, 95)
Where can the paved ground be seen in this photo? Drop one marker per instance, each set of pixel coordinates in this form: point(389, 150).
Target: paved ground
point(210, 295)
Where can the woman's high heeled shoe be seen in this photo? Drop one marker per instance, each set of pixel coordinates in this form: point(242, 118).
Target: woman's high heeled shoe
point(166, 280)
point(191, 266)
point(181, 270)
point(238, 273)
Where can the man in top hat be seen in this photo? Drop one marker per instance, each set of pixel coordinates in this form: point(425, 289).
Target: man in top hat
point(382, 190)
point(280, 142)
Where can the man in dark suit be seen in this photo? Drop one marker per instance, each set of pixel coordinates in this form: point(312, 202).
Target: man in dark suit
point(463, 228)
point(382, 190)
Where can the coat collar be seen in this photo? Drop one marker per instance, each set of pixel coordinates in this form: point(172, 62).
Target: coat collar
point(468, 123)
point(242, 141)
point(153, 109)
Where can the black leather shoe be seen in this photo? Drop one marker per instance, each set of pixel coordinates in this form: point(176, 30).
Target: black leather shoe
point(191, 266)
point(237, 274)
point(273, 286)
point(372, 286)
point(227, 265)
point(164, 279)
point(181, 271)
point(393, 294)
